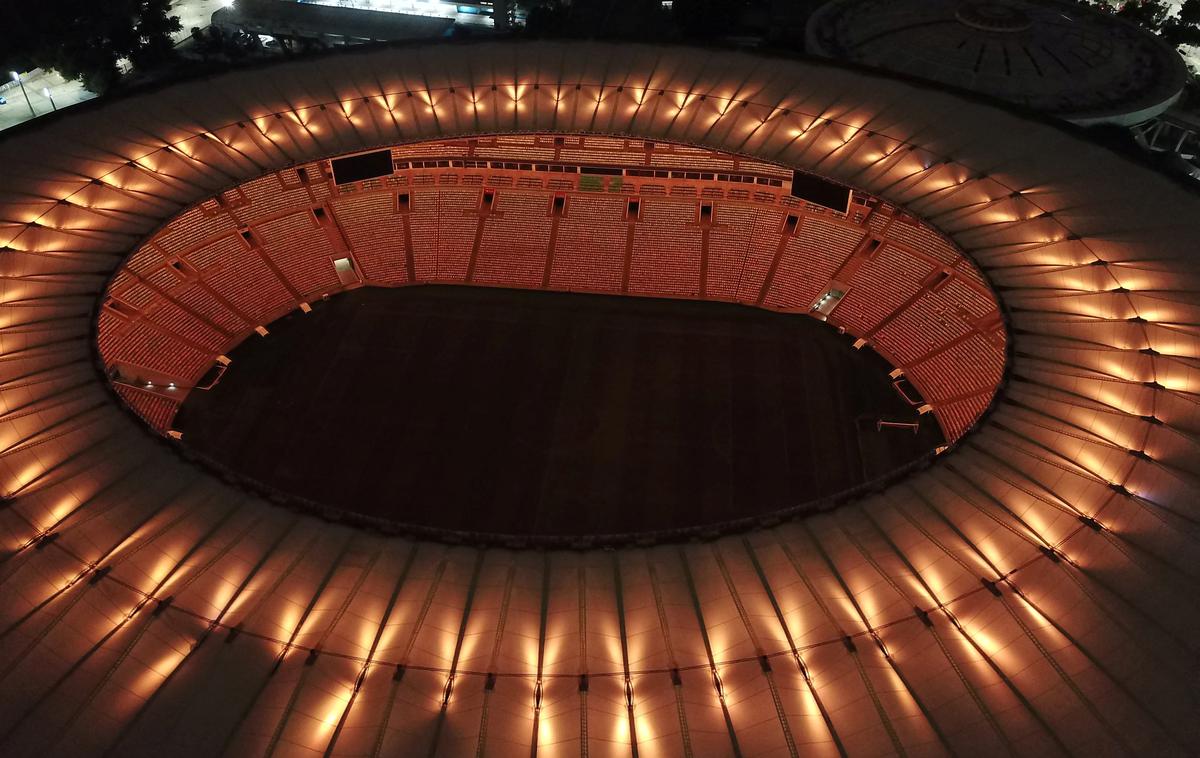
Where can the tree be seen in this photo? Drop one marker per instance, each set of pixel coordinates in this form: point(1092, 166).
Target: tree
point(600, 19)
point(548, 20)
point(708, 19)
point(1184, 29)
point(1189, 12)
point(84, 39)
point(1146, 13)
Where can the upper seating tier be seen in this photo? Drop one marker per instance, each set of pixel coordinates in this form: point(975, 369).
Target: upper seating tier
point(558, 212)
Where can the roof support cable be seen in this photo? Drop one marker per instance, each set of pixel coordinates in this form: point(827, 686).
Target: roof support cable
point(813, 592)
point(108, 451)
point(288, 646)
point(799, 659)
point(493, 660)
point(676, 683)
point(924, 617)
point(162, 605)
point(583, 661)
point(715, 674)
point(764, 662)
point(370, 659)
point(629, 700)
point(999, 672)
point(1123, 542)
point(1076, 572)
point(448, 689)
point(288, 709)
point(887, 656)
point(234, 597)
point(1001, 576)
point(1155, 510)
point(89, 570)
point(35, 703)
point(398, 675)
point(543, 614)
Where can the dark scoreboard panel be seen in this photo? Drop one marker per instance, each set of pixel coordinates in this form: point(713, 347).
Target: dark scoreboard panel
point(357, 168)
point(820, 191)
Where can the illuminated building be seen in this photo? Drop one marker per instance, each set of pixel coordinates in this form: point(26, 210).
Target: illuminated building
point(1030, 592)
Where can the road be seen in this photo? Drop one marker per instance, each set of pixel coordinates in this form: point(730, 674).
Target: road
point(65, 94)
point(191, 13)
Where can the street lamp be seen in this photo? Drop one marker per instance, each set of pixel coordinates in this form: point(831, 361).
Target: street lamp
point(17, 78)
point(46, 93)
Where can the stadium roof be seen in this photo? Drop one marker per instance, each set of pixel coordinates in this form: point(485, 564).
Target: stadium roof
point(1032, 591)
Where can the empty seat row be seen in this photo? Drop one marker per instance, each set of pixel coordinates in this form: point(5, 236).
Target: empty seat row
point(210, 277)
point(879, 288)
point(266, 196)
point(198, 223)
point(590, 250)
point(375, 231)
point(444, 224)
point(666, 250)
point(514, 242)
point(140, 345)
point(741, 231)
point(923, 240)
point(154, 409)
point(301, 251)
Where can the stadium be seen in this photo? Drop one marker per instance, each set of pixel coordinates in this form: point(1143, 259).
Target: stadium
point(1027, 589)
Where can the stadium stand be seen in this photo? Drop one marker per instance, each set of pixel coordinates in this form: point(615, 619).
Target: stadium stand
point(575, 213)
point(155, 410)
point(1030, 591)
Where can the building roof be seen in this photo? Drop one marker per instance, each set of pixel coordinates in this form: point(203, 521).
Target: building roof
point(1053, 56)
point(1032, 591)
point(290, 18)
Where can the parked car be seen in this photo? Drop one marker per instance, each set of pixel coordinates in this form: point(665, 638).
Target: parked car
point(3, 101)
